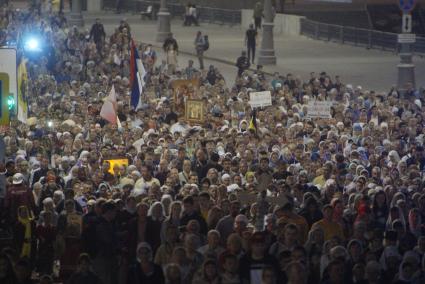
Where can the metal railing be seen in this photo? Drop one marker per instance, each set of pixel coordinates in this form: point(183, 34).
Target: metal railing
point(356, 36)
point(205, 14)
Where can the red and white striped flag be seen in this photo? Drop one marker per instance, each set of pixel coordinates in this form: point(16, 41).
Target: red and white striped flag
point(109, 108)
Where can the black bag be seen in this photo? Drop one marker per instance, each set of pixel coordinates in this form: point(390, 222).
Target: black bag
point(207, 43)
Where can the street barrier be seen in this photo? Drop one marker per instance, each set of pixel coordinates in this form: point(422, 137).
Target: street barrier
point(205, 14)
point(371, 39)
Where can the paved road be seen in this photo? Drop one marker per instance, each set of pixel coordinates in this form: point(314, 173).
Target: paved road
point(299, 55)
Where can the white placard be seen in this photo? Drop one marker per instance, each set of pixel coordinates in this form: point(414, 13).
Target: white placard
point(406, 38)
point(8, 66)
point(319, 109)
point(260, 99)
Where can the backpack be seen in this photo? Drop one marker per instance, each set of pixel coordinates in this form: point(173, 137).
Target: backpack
point(207, 43)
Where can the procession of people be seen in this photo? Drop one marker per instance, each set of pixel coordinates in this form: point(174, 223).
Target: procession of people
point(237, 195)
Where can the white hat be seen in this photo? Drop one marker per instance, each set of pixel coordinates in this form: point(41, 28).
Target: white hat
point(225, 176)
point(233, 187)
point(18, 178)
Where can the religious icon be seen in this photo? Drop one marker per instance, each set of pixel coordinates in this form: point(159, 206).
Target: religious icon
point(183, 90)
point(195, 111)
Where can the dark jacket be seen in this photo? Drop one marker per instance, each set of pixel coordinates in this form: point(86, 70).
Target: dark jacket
point(152, 236)
point(97, 32)
point(106, 239)
point(243, 63)
point(195, 216)
point(137, 276)
point(38, 174)
point(84, 278)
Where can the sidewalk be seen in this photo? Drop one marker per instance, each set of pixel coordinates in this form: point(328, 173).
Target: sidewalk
point(299, 55)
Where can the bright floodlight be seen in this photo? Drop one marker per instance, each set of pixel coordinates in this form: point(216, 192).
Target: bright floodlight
point(32, 44)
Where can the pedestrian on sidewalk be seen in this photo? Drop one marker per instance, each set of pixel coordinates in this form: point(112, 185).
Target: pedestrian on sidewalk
point(242, 63)
point(97, 33)
point(187, 15)
point(200, 48)
point(258, 15)
point(118, 5)
point(251, 42)
point(193, 15)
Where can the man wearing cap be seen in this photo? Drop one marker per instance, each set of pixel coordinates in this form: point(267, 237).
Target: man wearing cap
point(18, 194)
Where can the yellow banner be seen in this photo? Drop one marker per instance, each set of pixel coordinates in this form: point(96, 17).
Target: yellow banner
point(116, 163)
point(4, 94)
point(22, 92)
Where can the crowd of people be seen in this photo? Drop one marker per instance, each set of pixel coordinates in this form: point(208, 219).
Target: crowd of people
point(243, 197)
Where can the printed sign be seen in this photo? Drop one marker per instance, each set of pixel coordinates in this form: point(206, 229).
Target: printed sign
point(260, 99)
point(319, 109)
point(406, 38)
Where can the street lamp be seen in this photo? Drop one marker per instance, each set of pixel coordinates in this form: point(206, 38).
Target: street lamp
point(164, 25)
point(75, 17)
point(267, 55)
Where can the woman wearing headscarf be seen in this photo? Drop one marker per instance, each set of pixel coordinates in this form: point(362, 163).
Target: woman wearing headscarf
point(355, 252)
point(156, 217)
point(394, 214)
point(389, 261)
point(415, 223)
point(143, 228)
point(145, 271)
point(84, 273)
point(173, 219)
point(380, 209)
point(409, 269)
